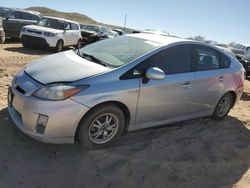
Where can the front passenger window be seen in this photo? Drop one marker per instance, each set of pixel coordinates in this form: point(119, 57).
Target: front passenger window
point(173, 60)
point(206, 58)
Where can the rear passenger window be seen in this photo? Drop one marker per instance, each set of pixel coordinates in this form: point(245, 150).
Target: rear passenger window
point(176, 59)
point(206, 59)
point(226, 61)
point(25, 16)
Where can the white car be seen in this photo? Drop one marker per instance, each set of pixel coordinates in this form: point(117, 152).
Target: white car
point(112, 34)
point(51, 32)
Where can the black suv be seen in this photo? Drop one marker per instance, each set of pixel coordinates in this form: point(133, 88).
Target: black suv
point(15, 19)
point(246, 61)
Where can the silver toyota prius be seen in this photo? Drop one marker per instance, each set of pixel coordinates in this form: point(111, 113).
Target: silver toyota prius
point(96, 93)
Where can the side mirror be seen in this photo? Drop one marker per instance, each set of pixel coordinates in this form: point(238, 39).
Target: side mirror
point(155, 73)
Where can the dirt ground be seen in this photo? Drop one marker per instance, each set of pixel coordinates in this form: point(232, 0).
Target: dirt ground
point(201, 153)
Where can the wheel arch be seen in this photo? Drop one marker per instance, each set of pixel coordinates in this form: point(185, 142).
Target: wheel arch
point(121, 105)
point(61, 40)
point(234, 95)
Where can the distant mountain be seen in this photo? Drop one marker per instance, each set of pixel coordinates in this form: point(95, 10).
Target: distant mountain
point(81, 18)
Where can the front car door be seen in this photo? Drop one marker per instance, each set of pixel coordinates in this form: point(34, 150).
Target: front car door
point(164, 101)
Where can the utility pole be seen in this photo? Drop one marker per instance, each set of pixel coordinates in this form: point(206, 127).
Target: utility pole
point(125, 22)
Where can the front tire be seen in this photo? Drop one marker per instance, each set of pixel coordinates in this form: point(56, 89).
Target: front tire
point(223, 107)
point(101, 126)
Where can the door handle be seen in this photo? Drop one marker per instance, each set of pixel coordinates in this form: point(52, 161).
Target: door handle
point(186, 85)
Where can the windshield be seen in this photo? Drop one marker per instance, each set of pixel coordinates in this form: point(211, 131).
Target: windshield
point(120, 50)
point(4, 12)
point(90, 28)
point(51, 23)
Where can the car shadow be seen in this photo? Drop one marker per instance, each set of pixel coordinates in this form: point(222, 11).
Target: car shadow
point(28, 51)
point(32, 50)
point(197, 153)
point(245, 96)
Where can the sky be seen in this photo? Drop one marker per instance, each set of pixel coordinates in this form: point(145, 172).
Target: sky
point(220, 20)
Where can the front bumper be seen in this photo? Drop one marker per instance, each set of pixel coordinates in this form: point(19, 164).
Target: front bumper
point(64, 117)
point(34, 41)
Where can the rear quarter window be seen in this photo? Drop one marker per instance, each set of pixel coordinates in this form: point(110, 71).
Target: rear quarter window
point(74, 26)
point(226, 61)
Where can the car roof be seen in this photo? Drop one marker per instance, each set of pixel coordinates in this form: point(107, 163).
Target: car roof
point(118, 30)
point(166, 40)
point(92, 25)
point(27, 11)
point(21, 10)
point(161, 39)
point(57, 18)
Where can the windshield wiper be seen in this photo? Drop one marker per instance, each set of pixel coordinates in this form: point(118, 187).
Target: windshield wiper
point(93, 58)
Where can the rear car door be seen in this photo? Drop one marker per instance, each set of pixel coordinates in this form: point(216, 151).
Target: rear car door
point(210, 76)
point(166, 99)
point(12, 24)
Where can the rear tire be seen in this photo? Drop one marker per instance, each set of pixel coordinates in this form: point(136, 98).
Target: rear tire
point(59, 46)
point(223, 107)
point(101, 126)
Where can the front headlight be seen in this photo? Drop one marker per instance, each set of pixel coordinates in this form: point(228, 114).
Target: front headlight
point(48, 34)
point(58, 91)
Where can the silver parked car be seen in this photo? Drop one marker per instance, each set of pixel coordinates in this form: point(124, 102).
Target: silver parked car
point(127, 83)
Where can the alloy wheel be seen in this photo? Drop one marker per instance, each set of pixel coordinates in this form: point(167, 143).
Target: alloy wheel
point(103, 128)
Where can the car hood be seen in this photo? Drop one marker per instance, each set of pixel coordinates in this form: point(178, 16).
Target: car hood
point(41, 28)
point(63, 67)
point(89, 32)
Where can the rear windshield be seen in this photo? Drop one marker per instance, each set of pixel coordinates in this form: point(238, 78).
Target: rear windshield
point(120, 50)
point(51, 23)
